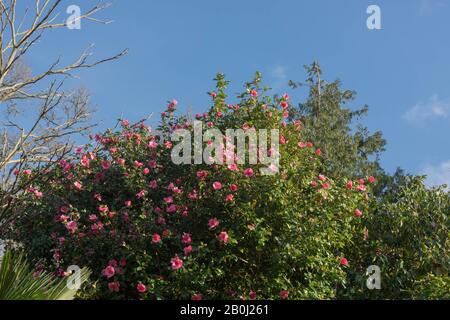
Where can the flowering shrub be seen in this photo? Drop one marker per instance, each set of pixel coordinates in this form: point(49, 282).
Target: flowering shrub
point(151, 229)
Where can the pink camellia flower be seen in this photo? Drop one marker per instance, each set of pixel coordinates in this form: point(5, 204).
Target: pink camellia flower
point(168, 144)
point(223, 236)
point(254, 93)
point(217, 185)
point(109, 272)
point(103, 208)
point(272, 152)
point(322, 177)
point(62, 218)
point(344, 262)
point(93, 217)
point(172, 208)
point(252, 295)
point(77, 185)
point(114, 286)
point(141, 288)
point(372, 179)
point(146, 171)
point(282, 139)
point(229, 198)
point(272, 168)
point(233, 167)
point(72, 226)
point(112, 263)
point(64, 209)
point(106, 165)
point(187, 250)
point(349, 185)
point(358, 213)
point(38, 194)
point(284, 294)
point(197, 297)
point(233, 188)
point(248, 172)
point(153, 184)
point(201, 174)
point(318, 152)
point(138, 164)
point(152, 164)
point(171, 186)
point(156, 238)
point(141, 194)
point(98, 197)
point(161, 220)
point(176, 263)
point(177, 190)
point(186, 238)
point(213, 223)
point(361, 181)
point(193, 195)
point(313, 184)
point(326, 186)
point(128, 203)
point(27, 172)
point(120, 161)
point(152, 144)
point(168, 200)
point(361, 187)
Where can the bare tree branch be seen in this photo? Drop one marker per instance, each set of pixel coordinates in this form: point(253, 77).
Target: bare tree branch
point(39, 115)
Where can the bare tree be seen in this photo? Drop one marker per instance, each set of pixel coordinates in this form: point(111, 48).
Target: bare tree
point(38, 115)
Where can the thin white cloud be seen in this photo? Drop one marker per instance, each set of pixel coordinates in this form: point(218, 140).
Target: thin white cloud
point(438, 174)
point(429, 6)
point(434, 108)
point(280, 78)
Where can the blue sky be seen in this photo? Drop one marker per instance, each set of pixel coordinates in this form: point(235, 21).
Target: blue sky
point(402, 71)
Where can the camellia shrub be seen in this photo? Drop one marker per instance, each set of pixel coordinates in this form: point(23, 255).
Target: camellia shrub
point(152, 229)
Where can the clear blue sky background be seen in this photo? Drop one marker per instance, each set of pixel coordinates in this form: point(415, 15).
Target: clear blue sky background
point(402, 71)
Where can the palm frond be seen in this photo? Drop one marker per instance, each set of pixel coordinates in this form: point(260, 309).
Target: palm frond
point(17, 281)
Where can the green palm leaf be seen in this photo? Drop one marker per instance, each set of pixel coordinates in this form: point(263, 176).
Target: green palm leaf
point(17, 281)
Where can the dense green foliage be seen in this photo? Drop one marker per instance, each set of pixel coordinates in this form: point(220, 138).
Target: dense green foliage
point(151, 229)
